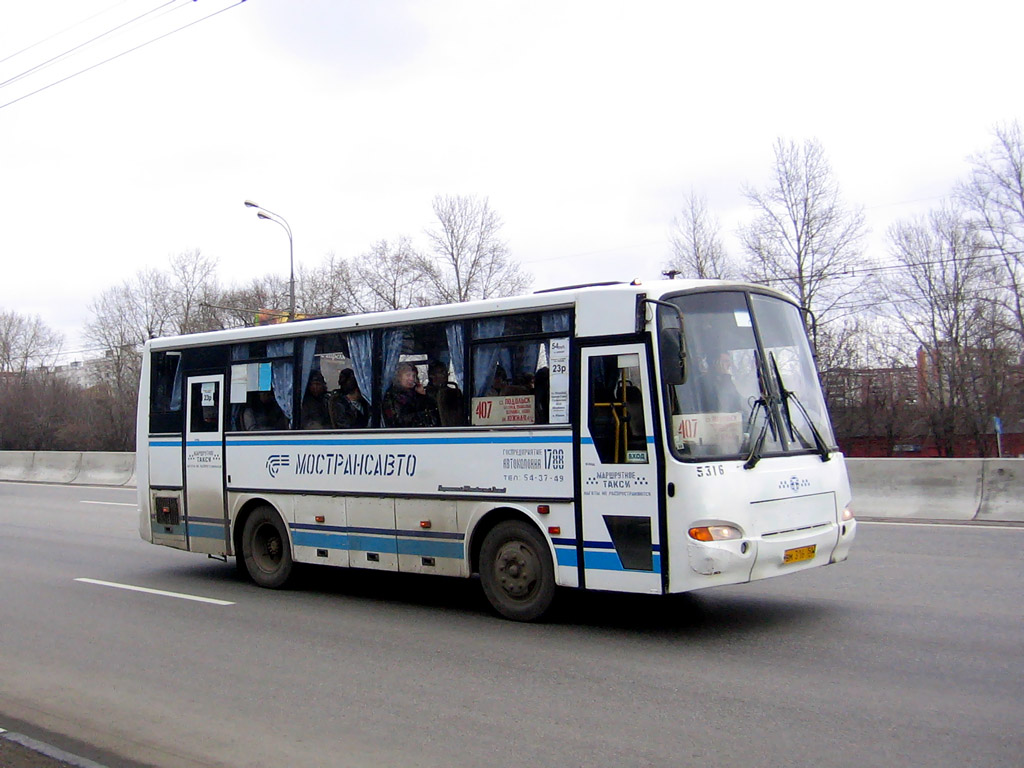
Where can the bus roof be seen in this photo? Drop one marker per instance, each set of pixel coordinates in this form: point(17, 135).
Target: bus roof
point(612, 305)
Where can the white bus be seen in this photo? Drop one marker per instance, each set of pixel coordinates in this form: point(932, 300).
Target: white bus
point(651, 438)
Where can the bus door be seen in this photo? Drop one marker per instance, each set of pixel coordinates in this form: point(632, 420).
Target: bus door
point(205, 511)
point(618, 471)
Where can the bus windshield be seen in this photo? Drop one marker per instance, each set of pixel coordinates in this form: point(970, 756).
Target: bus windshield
point(740, 394)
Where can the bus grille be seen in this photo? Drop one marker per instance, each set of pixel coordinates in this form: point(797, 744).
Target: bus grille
point(801, 529)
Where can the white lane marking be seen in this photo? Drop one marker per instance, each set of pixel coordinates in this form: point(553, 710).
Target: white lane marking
point(970, 526)
point(148, 591)
point(110, 503)
point(33, 484)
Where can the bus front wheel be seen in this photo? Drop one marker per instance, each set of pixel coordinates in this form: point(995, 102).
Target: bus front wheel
point(265, 548)
point(516, 571)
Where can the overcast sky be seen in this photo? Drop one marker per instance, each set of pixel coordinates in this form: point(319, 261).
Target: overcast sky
point(585, 123)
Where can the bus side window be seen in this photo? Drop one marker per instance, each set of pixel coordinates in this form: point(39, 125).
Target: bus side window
point(205, 407)
point(165, 413)
point(616, 409)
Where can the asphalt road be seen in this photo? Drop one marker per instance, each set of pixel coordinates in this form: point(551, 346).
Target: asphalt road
point(910, 654)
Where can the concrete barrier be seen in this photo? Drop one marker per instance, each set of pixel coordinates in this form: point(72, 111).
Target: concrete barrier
point(1003, 496)
point(16, 465)
point(56, 466)
point(68, 467)
point(105, 469)
point(931, 489)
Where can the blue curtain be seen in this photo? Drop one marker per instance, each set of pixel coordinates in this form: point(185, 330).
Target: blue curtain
point(283, 375)
point(308, 353)
point(531, 353)
point(457, 351)
point(280, 348)
point(485, 358)
point(552, 322)
point(360, 350)
point(488, 328)
point(393, 339)
point(284, 384)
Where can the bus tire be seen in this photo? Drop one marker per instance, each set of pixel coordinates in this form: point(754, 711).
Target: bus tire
point(516, 572)
point(265, 548)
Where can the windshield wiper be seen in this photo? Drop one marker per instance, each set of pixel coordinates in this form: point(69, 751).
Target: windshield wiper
point(766, 402)
point(755, 447)
point(787, 395)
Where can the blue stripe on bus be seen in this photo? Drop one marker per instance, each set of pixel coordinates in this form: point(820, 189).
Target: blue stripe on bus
point(390, 545)
point(205, 531)
point(566, 556)
point(407, 441)
point(590, 440)
point(425, 548)
point(320, 540)
point(375, 441)
point(609, 561)
point(203, 443)
point(412, 533)
point(373, 543)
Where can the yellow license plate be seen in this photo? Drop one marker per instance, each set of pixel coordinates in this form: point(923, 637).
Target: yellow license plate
point(799, 554)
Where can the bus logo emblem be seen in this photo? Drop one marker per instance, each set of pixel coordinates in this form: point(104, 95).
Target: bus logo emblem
point(794, 484)
point(276, 462)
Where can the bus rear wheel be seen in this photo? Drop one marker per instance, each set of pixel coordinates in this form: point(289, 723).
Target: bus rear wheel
point(265, 548)
point(516, 571)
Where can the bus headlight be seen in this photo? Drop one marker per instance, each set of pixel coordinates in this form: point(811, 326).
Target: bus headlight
point(846, 515)
point(715, 533)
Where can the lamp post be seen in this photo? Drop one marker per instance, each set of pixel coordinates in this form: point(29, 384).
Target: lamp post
point(263, 213)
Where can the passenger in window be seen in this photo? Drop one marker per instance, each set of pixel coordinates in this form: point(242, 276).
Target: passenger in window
point(720, 390)
point(498, 383)
point(406, 404)
point(446, 394)
point(349, 409)
point(263, 413)
point(521, 385)
point(634, 410)
point(315, 409)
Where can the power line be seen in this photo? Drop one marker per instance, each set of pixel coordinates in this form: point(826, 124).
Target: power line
point(100, 36)
point(897, 267)
point(123, 53)
point(58, 34)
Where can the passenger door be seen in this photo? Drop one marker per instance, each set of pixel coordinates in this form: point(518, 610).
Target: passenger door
point(618, 471)
point(206, 522)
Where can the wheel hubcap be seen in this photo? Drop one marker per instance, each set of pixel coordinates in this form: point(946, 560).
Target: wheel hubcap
point(516, 567)
point(267, 547)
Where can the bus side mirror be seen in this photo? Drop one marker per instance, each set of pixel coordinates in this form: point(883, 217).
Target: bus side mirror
point(673, 356)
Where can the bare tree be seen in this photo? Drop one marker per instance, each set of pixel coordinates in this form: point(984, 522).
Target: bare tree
point(944, 299)
point(325, 289)
point(264, 297)
point(994, 196)
point(804, 239)
point(193, 288)
point(391, 275)
point(26, 342)
point(697, 250)
point(469, 259)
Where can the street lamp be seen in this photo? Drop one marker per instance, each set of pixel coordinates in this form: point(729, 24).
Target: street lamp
point(263, 213)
